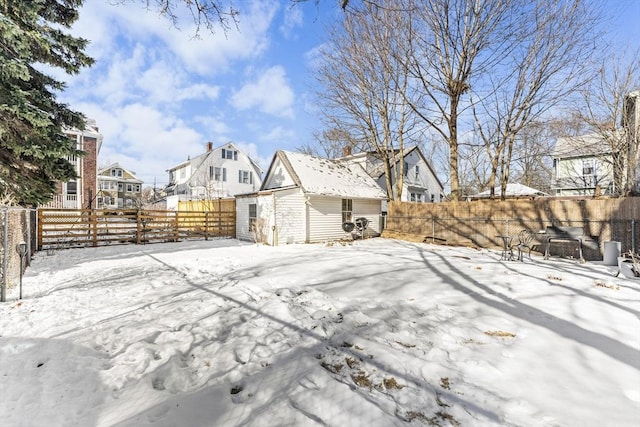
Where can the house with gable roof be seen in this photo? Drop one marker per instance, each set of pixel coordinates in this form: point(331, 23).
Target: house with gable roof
point(217, 173)
point(581, 164)
point(306, 199)
point(584, 165)
point(118, 188)
point(420, 182)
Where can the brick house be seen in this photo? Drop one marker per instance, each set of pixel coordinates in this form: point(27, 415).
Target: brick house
point(80, 193)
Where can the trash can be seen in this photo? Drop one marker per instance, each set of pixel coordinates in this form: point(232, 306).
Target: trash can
point(611, 253)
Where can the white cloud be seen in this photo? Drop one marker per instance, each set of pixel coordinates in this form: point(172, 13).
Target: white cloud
point(278, 134)
point(165, 83)
point(144, 139)
point(214, 53)
point(215, 126)
point(293, 18)
point(270, 93)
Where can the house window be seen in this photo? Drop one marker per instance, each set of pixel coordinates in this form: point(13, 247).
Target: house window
point(120, 187)
point(406, 168)
point(128, 203)
point(113, 172)
point(106, 200)
point(129, 188)
point(229, 154)
point(245, 177)
point(72, 187)
point(416, 197)
point(417, 171)
point(220, 174)
point(347, 210)
point(588, 167)
point(253, 215)
point(137, 188)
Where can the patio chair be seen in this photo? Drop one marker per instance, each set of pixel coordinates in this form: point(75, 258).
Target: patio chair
point(526, 239)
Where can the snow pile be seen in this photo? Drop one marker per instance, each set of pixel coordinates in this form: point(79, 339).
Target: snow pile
point(377, 333)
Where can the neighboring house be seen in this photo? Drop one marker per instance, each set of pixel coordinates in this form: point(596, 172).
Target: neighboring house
point(118, 188)
point(581, 164)
point(81, 192)
point(420, 183)
point(306, 199)
point(513, 191)
point(218, 173)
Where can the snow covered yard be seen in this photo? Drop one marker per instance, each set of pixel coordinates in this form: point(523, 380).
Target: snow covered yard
point(378, 333)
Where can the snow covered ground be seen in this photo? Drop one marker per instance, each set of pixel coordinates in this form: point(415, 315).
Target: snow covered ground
point(377, 333)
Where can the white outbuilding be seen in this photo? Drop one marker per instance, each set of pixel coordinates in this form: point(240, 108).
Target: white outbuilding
point(306, 199)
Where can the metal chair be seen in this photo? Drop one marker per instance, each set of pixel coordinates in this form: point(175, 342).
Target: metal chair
point(526, 240)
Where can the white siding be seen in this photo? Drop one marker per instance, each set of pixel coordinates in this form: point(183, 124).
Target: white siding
point(423, 181)
point(289, 212)
point(371, 210)
point(242, 218)
point(325, 217)
point(278, 176)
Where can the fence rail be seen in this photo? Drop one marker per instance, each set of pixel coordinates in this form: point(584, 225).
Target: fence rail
point(63, 228)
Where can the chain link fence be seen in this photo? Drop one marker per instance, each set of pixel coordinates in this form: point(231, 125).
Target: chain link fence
point(16, 225)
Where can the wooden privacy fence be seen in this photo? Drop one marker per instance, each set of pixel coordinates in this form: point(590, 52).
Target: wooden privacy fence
point(480, 223)
point(64, 228)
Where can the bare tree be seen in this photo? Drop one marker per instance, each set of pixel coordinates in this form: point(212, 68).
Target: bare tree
point(208, 14)
point(331, 143)
point(610, 110)
point(452, 41)
point(364, 85)
point(551, 61)
point(532, 162)
point(475, 169)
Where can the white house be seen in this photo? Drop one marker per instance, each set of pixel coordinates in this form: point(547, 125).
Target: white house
point(420, 182)
point(306, 199)
point(585, 163)
point(218, 173)
point(580, 164)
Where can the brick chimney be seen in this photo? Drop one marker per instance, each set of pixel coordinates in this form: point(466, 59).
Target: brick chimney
point(209, 146)
point(346, 151)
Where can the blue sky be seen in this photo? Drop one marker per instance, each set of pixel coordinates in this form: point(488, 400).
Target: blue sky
point(158, 95)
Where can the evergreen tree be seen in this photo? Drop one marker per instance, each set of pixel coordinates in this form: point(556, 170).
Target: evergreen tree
point(33, 146)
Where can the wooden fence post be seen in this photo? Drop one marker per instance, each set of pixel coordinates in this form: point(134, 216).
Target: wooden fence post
point(94, 223)
point(138, 227)
point(206, 225)
point(176, 227)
